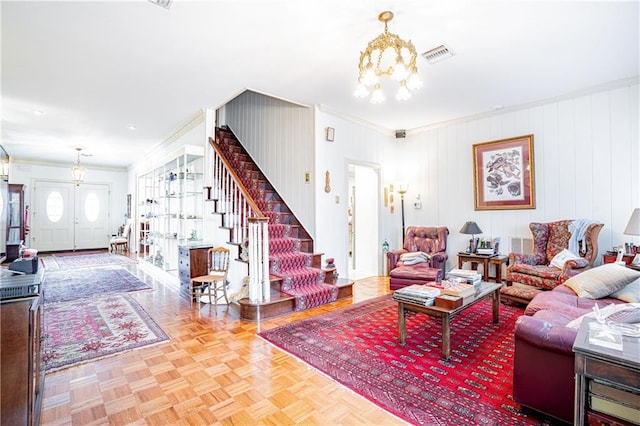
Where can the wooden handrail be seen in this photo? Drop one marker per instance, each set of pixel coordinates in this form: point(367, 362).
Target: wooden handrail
point(236, 179)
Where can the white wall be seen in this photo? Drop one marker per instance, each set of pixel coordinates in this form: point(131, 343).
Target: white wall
point(587, 161)
point(587, 165)
point(27, 173)
point(355, 143)
point(279, 137)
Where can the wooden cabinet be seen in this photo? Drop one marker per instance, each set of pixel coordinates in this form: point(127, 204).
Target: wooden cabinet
point(192, 262)
point(15, 221)
point(21, 375)
point(144, 239)
point(607, 380)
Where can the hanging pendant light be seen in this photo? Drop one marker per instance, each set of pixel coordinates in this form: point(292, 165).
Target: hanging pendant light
point(399, 65)
point(77, 172)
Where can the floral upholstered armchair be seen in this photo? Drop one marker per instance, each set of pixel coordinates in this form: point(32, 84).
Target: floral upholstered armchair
point(552, 263)
point(426, 239)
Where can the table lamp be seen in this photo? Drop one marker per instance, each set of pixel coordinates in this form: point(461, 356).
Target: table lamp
point(471, 228)
point(633, 227)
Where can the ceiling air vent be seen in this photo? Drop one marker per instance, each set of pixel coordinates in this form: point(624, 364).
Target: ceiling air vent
point(438, 54)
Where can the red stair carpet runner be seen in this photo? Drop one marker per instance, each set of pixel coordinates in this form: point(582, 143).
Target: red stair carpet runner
point(287, 260)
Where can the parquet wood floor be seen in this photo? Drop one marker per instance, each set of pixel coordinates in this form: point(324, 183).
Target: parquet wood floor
point(213, 371)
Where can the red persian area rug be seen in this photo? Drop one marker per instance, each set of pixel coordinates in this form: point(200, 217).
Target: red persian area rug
point(358, 347)
point(88, 329)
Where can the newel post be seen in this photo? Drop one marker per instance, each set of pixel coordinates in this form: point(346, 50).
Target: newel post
point(259, 285)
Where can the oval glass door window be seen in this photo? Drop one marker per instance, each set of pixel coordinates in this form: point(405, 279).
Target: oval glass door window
point(92, 207)
point(55, 206)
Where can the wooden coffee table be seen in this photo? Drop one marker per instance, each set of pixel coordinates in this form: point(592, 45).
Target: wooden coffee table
point(486, 290)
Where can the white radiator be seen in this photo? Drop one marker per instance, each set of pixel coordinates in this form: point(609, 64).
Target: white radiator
point(521, 245)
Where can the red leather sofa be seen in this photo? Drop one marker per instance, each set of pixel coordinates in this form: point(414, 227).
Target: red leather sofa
point(543, 365)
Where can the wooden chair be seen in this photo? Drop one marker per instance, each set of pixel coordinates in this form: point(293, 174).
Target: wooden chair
point(120, 242)
point(216, 278)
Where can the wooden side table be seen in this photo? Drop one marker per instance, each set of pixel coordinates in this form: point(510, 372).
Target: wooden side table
point(607, 380)
point(475, 259)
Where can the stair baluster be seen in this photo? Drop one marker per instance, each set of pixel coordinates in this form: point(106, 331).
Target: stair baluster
point(244, 219)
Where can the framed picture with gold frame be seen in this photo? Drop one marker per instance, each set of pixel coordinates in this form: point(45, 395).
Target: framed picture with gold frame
point(504, 174)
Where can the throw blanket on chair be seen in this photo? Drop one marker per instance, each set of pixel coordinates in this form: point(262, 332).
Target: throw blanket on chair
point(415, 257)
point(578, 228)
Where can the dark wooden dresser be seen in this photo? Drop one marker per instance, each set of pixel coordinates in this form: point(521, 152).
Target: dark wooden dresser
point(192, 262)
point(21, 373)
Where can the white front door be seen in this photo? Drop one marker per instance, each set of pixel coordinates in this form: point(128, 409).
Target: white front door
point(69, 217)
point(92, 216)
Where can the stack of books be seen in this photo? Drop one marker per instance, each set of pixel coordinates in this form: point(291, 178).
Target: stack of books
point(459, 289)
point(465, 275)
point(418, 294)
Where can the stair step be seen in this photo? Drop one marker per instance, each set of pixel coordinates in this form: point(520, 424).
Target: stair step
point(283, 304)
point(291, 258)
point(285, 262)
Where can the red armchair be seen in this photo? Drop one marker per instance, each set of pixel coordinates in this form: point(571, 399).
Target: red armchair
point(427, 239)
point(549, 239)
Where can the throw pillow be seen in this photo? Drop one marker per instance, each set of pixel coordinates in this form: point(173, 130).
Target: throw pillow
point(629, 293)
point(560, 259)
point(600, 282)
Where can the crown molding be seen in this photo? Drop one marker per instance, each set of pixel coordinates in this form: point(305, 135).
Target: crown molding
point(627, 82)
point(327, 110)
point(191, 123)
point(22, 162)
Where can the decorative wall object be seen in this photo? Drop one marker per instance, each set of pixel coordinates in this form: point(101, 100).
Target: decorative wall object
point(504, 174)
point(329, 134)
point(327, 182)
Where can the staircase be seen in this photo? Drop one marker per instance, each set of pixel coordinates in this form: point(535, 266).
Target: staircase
point(296, 279)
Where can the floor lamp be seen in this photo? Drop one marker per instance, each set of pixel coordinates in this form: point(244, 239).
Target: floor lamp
point(402, 189)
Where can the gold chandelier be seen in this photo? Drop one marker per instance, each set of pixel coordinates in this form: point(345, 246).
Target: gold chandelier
point(374, 64)
point(77, 172)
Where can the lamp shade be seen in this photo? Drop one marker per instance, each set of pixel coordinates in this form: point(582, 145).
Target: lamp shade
point(633, 227)
point(470, 228)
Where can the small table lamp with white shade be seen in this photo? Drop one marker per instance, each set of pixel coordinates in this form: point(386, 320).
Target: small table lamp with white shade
point(633, 228)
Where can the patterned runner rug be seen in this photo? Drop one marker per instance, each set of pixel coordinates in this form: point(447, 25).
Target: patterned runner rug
point(89, 329)
point(73, 284)
point(67, 261)
point(358, 347)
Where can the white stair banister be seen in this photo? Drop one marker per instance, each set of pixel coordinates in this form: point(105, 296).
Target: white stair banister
point(244, 219)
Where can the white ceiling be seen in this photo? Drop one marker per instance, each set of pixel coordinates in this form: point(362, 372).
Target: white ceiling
point(94, 68)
